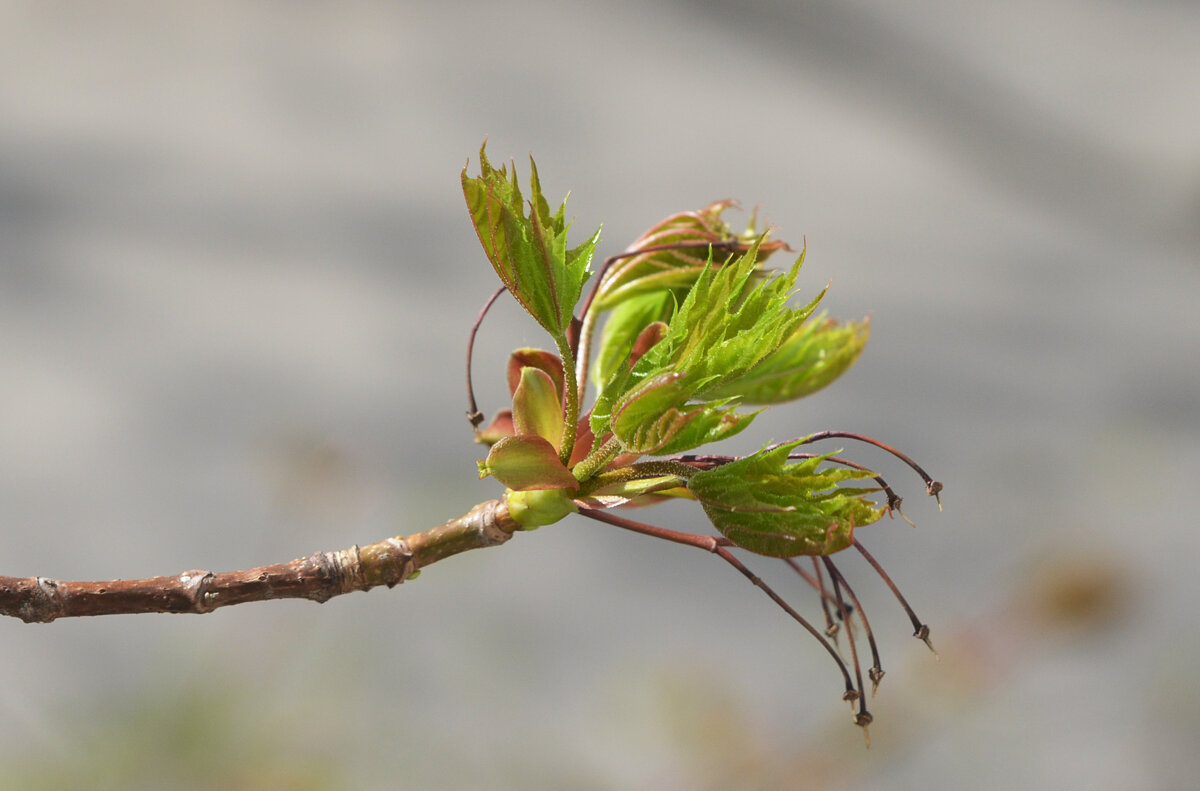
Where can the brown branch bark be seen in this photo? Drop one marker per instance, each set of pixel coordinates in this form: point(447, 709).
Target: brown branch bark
point(319, 577)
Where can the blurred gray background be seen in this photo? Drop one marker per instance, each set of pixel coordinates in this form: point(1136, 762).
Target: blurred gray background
point(236, 279)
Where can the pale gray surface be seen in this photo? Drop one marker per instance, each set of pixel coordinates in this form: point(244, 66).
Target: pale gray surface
point(236, 277)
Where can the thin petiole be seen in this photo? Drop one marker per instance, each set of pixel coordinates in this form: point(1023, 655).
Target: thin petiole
point(876, 671)
point(844, 615)
point(709, 461)
point(718, 546)
point(597, 460)
point(473, 413)
point(571, 395)
point(893, 499)
point(920, 630)
point(932, 487)
point(817, 580)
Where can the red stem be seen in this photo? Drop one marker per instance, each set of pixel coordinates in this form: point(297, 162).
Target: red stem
point(473, 413)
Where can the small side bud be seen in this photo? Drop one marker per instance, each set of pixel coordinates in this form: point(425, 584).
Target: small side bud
point(533, 509)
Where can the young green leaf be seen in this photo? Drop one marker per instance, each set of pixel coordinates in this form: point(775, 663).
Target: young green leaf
point(729, 322)
point(817, 353)
point(726, 325)
point(622, 329)
point(528, 252)
point(675, 251)
point(656, 417)
point(770, 507)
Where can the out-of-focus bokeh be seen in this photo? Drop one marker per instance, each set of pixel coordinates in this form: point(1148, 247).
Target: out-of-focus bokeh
point(236, 279)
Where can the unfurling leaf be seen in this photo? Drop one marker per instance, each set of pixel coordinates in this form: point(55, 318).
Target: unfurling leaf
point(625, 324)
point(768, 506)
point(674, 252)
point(655, 418)
point(528, 252)
point(729, 322)
point(817, 353)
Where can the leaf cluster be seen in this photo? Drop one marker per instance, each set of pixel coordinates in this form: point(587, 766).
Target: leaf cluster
point(696, 328)
point(728, 323)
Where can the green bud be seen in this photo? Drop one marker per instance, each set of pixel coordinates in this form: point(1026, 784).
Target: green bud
point(534, 508)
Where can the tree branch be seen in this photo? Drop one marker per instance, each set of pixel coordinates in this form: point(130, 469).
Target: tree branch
point(319, 577)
